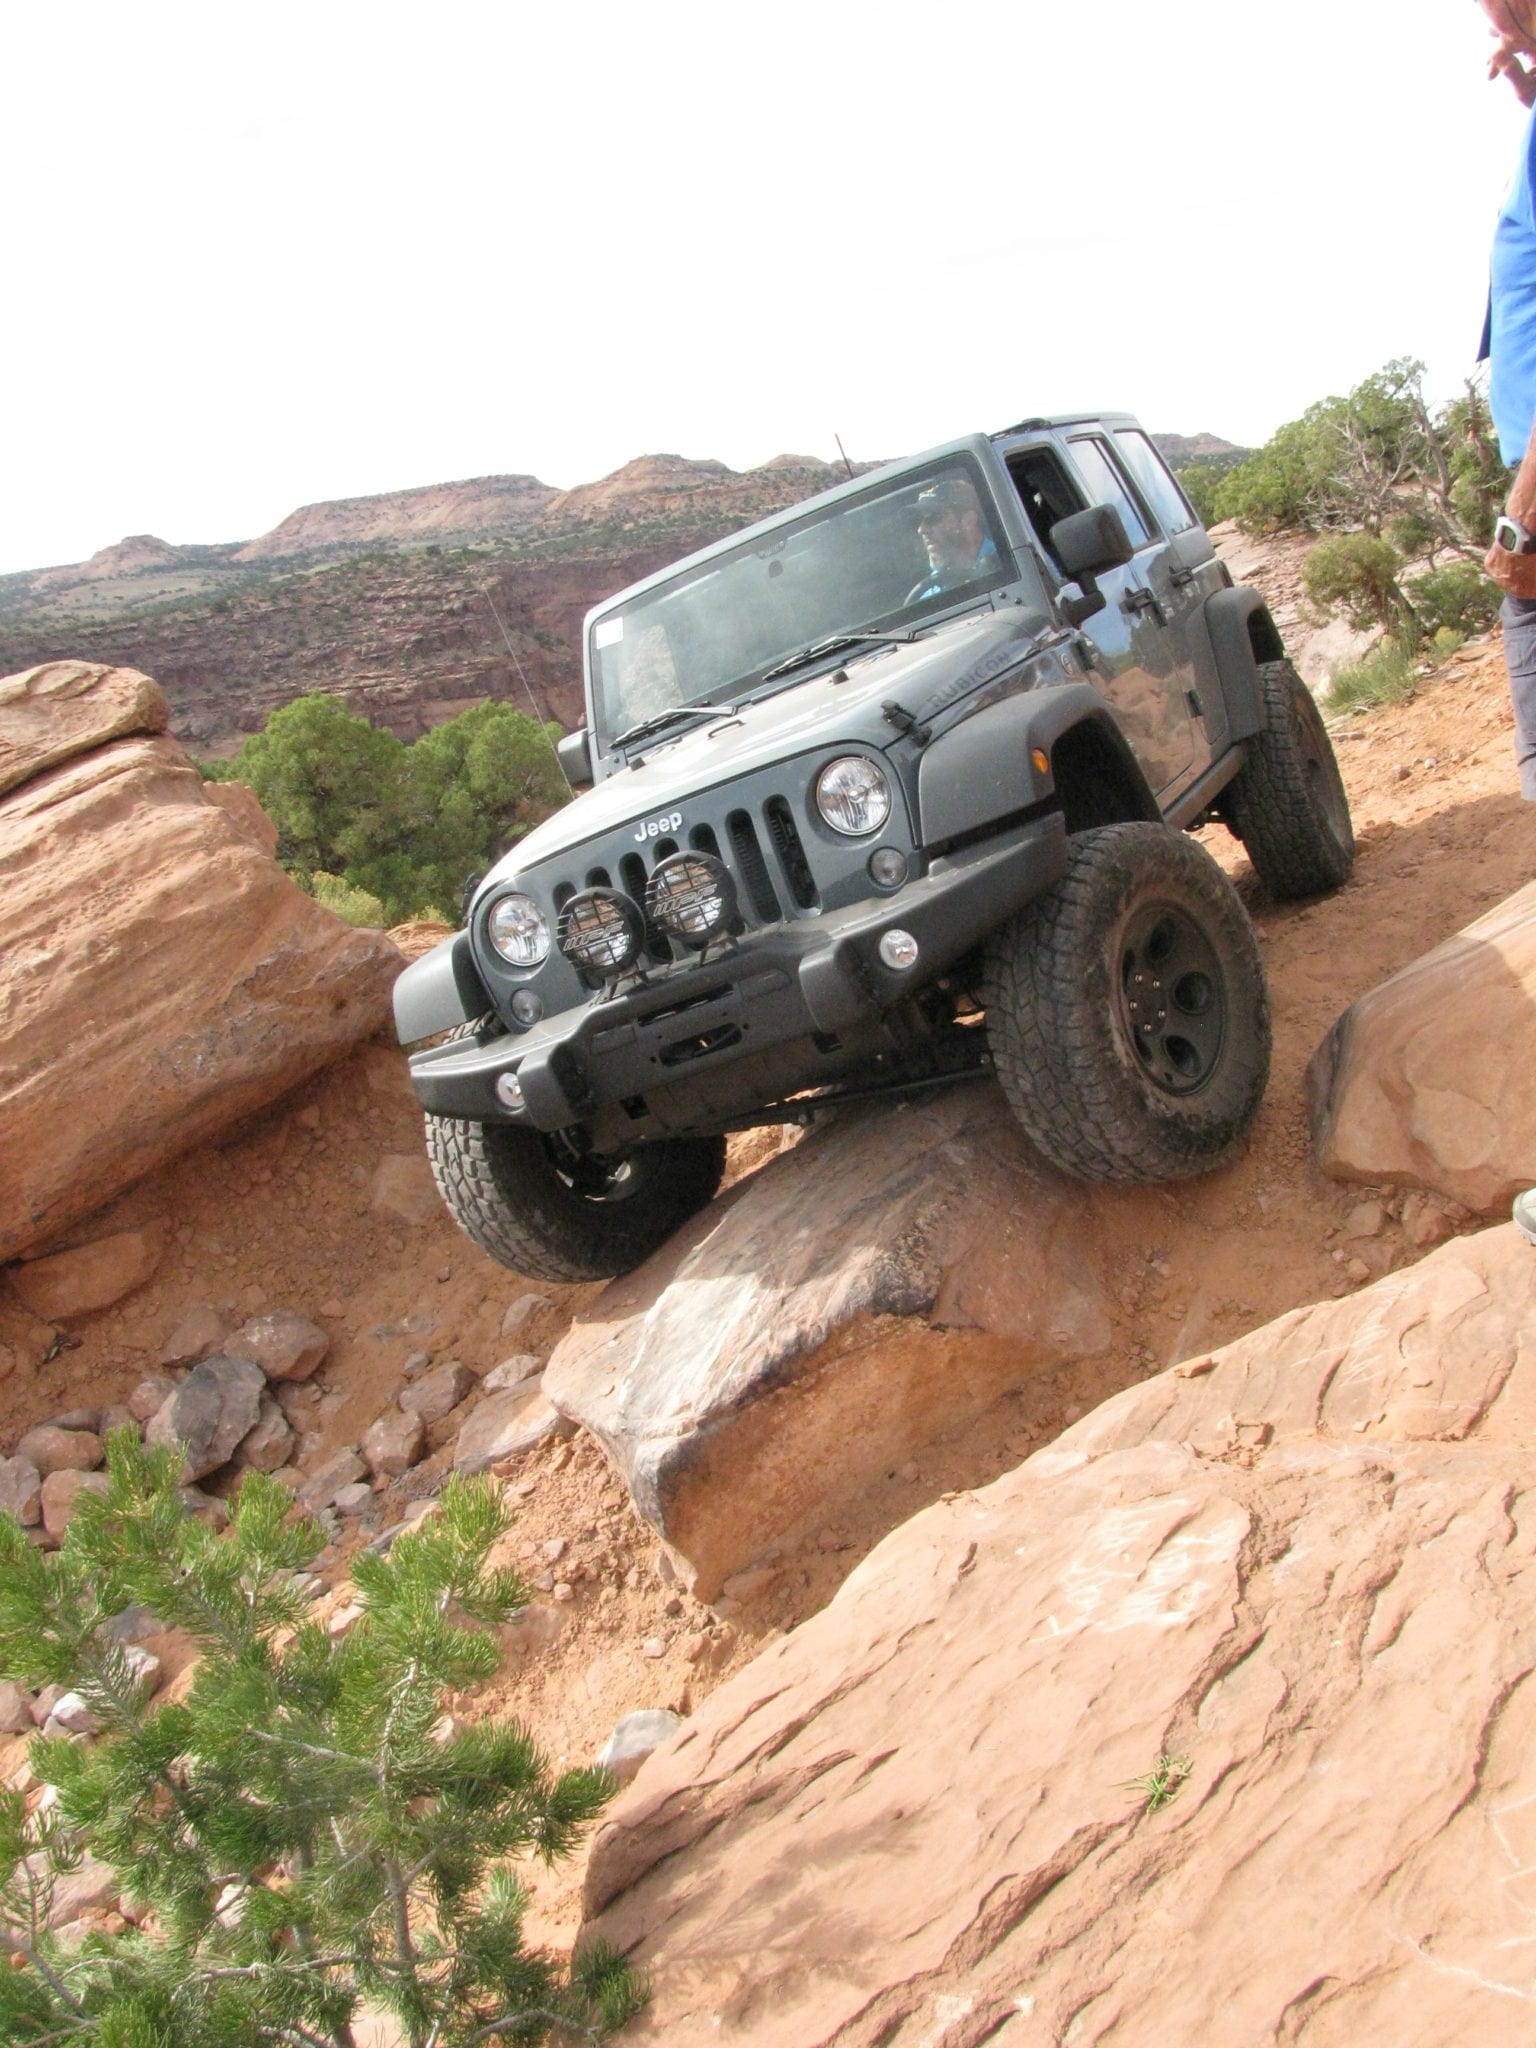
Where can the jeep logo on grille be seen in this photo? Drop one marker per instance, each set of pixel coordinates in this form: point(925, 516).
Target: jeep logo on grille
point(653, 828)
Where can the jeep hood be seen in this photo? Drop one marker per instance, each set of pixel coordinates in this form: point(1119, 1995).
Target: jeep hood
point(801, 716)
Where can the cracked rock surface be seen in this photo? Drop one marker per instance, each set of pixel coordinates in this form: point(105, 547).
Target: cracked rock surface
point(1296, 1578)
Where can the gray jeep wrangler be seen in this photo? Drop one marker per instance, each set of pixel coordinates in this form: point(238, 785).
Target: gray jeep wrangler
point(889, 788)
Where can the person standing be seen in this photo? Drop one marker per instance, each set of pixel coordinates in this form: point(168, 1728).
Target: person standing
point(1509, 343)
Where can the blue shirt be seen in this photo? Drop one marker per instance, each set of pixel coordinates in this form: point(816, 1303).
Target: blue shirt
point(937, 581)
point(1511, 334)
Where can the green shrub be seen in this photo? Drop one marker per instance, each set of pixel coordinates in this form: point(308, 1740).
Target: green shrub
point(352, 906)
point(1459, 597)
point(1356, 574)
point(1384, 676)
point(311, 1839)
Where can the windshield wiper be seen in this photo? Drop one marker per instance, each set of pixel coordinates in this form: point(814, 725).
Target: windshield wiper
point(662, 719)
point(832, 645)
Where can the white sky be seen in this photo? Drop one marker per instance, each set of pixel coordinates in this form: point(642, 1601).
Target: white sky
point(261, 256)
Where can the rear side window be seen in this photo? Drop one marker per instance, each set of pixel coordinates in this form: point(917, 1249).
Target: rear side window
point(1155, 481)
point(1106, 487)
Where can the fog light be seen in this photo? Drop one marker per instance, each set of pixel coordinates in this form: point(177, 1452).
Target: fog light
point(887, 867)
point(509, 1091)
point(692, 898)
point(527, 1006)
point(898, 949)
point(601, 931)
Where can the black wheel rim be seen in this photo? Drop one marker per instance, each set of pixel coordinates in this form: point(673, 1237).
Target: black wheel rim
point(1173, 998)
point(591, 1176)
point(1324, 782)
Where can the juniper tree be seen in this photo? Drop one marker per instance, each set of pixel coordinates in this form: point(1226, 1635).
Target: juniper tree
point(311, 1836)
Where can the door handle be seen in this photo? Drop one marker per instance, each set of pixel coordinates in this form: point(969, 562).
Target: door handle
point(1140, 599)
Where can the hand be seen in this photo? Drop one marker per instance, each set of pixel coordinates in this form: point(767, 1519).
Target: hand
point(1506, 62)
point(1514, 573)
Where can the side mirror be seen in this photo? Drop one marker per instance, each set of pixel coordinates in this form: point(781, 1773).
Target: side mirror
point(575, 757)
point(1088, 543)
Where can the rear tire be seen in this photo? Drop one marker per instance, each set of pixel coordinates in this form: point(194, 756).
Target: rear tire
point(1126, 1010)
point(1288, 804)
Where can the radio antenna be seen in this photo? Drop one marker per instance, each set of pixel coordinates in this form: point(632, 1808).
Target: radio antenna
point(844, 453)
point(485, 592)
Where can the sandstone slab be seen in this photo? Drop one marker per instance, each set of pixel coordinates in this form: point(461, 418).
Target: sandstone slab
point(145, 942)
point(745, 1377)
point(64, 708)
point(924, 1817)
point(87, 1277)
point(1428, 1081)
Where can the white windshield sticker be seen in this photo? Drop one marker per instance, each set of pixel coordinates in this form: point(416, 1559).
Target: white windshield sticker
point(607, 631)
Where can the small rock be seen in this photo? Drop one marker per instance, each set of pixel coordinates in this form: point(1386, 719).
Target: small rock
point(144, 1667)
point(415, 1363)
point(198, 1332)
point(267, 1445)
point(308, 1116)
point(15, 1713)
point(78, 1418)
point(504, 1425)
point(828, 1539)
point(60, 1492)
point(531, 1633)
point(62, 1285)
point(909, 1471)
point(563, 1590)
point(341, 1468)
point(1357, 1271)
point(634, 1738)
point(43, 1703)
point(750, 1584)
point(554, 1549)
point(72, 1715)
point(286, 1345)
point(518, 1314)
point(119, 1416)
point(206, 1506)
point(343, 1618)
point(216, 1405)
point(86, 1889)
point(150, 1395)
point(132, 1625)
point(654, 1646)
point(354, 1499)
point(332, 1309)
point(436, 1393)
point(1365, 1219)
point(515, 1371)
point(55, 1449)
point(394, 1443)
point(298, 1399)
point(21, 1491)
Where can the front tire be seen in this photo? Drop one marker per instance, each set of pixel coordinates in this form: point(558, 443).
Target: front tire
point(1288, 804)
point(1127, 1013)
point(544, 1208)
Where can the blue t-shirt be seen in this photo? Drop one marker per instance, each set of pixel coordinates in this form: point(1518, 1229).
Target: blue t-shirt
point(1511, 341)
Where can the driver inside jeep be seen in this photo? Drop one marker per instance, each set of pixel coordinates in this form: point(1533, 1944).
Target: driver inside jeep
point(950, 527)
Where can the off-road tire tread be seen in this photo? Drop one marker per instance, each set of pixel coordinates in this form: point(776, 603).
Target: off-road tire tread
point(1273, 804)
point(1056, 1046)
point(506, 1197)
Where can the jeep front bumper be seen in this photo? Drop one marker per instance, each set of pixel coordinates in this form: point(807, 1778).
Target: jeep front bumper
point(811, 979)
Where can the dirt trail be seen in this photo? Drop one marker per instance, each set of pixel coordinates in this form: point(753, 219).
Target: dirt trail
point(283, 1215)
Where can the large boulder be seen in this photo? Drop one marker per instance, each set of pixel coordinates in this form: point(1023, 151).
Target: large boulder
point(1213, 1723)
point(746, 1380)
point(1430, 1080)
point(50, 713)
point(160, 976)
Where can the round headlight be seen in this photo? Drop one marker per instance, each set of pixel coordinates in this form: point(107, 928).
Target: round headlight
point(517, 929)
point(853, 796)
point(601, 931)
point(691, 897)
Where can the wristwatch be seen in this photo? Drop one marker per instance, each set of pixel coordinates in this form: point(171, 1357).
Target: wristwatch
point(1512, 537)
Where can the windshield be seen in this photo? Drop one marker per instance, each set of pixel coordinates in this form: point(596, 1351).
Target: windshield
point(880, 561)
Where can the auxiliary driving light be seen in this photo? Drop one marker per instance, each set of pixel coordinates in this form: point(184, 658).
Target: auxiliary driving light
point(509, 1091)
point(527, 1006)
point(692, 898)
point(887, 867)
point(601, 931)
point(898, 949)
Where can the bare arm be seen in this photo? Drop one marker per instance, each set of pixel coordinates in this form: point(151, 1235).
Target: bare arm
point(1517, 573)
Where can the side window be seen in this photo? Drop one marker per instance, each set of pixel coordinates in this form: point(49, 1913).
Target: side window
point(1106, 487)
point(1157, 486)
point(1048, 493)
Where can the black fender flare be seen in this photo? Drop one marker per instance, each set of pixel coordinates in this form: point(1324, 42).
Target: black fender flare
point(441, 989)
point(981, 771)
point(1239, 634)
